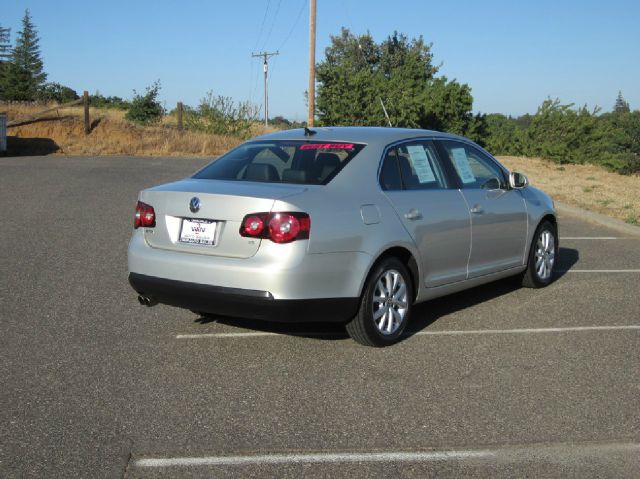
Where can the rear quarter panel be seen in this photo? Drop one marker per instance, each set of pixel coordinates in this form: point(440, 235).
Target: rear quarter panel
point(337, 223)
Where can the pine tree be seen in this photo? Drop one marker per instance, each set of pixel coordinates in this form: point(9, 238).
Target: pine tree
point(5, 45)
point(621, 105)
point(5, 55)
point(24, 75)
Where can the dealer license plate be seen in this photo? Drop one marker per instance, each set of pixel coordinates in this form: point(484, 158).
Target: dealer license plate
point(198, 232)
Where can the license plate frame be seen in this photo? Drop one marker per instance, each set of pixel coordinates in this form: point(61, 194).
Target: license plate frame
point(197, 231)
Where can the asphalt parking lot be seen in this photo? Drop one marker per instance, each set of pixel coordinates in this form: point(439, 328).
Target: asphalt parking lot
point(493, 382)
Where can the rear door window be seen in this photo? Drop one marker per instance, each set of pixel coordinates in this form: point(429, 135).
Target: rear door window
point(303, 162)
point(417, 165)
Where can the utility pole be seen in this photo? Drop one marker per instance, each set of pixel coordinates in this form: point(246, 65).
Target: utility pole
point(311, 95)
point(265, 56)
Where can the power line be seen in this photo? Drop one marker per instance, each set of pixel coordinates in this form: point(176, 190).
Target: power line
point(274, 64)
point(273, 22)
point(272, 69)
point(295, 24)
point(251, 80)
point(262, 24)
point(254, 72)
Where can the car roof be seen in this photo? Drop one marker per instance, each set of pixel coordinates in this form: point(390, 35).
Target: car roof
point(356, 134)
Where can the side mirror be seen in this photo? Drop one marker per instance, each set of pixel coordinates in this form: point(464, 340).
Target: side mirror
point(517, 181)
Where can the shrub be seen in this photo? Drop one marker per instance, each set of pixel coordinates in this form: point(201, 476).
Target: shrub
point(220, 115)
point(500, 138)
point(146, 109)
point(564, 134)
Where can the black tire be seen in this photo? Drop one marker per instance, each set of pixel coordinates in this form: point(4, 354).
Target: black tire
point(363, 327)
point(531, 278)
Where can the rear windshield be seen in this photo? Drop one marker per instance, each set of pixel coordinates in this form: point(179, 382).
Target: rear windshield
point(304, 162)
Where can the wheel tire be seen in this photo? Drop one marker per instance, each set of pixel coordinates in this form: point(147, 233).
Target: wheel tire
point(539, 275)
point(392, 317)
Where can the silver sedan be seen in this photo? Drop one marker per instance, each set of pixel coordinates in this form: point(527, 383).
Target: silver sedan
point(347, 224)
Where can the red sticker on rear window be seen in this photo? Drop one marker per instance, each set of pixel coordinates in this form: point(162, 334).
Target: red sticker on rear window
point(327, 146)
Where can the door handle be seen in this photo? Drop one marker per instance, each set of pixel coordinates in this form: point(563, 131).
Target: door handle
point(413, 214)
point(477, 210)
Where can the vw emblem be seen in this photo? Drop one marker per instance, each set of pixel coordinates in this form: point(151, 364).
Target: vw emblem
point(194, 204)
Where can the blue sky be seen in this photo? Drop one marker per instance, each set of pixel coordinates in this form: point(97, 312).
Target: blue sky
point(513, 54)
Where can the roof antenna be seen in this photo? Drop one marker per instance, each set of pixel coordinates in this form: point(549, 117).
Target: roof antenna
point(308, 132)
point(385, 113)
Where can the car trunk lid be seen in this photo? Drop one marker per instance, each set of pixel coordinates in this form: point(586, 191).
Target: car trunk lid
point(222, 207)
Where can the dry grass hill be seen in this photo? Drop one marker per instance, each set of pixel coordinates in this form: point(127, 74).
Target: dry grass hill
point(62, 132)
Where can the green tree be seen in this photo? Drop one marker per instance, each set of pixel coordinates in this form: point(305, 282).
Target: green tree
point(24, 76)
point(564, 134)
point(561, 133)
point(5, 44)
point(624, 130)
point(347, 91)
point(621, 105)
point(58, 93)
point(405, 72)
point(146, 109)
point(501, 135)
point(98, 100)
point(5, 54)
point(448, 106)
point(358, 75)
point(280, 122)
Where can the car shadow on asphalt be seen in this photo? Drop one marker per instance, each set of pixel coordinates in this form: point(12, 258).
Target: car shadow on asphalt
point(427, 313)
point(323, 331)
point(424, 314)
point(568, 257)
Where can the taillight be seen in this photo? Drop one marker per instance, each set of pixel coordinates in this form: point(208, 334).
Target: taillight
point(253, 225)
point(145, 216)
point(278, 227)
point(285, 227)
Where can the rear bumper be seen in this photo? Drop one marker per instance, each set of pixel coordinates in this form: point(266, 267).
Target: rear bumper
point(287, 271)
point(244, 303)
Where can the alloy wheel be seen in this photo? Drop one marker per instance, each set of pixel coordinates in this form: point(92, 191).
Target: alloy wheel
point(390, 302)
point(545, 255)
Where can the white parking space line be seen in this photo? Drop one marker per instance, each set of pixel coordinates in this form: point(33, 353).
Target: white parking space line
point(223, 335)
point(310, 458)
point(254, 334)
point(629, 327)
point(589, 238)
point(530, 330)
point(557, 453)
point(598, 271)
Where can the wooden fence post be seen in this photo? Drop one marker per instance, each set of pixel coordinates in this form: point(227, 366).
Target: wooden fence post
point(180, 116)
point(87, 123)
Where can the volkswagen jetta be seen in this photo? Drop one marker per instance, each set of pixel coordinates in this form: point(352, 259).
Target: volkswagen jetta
point(346, 224)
